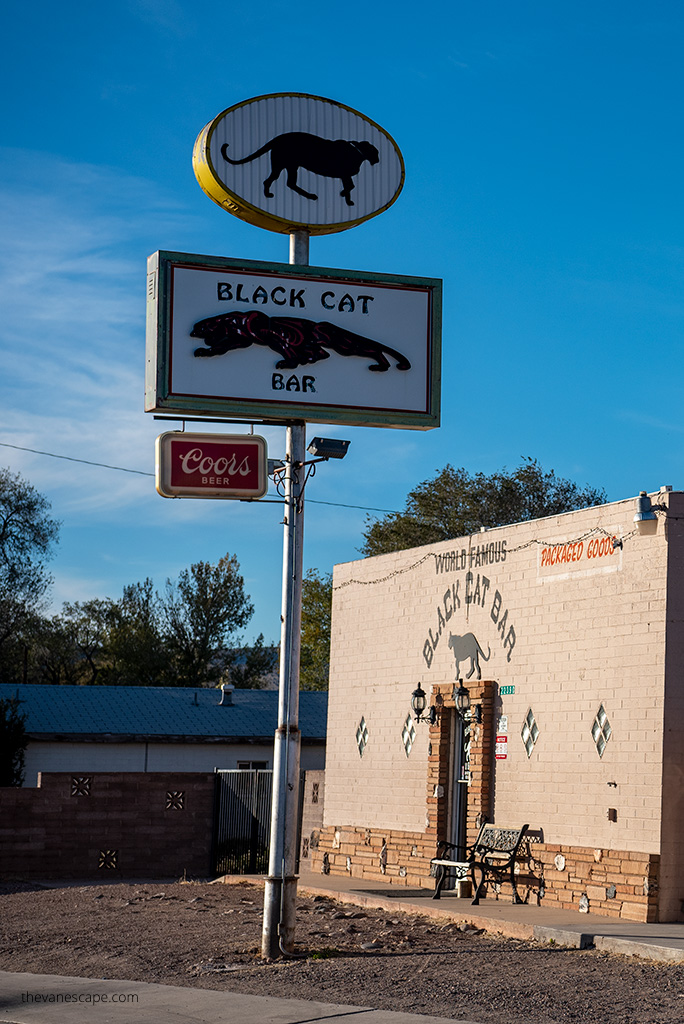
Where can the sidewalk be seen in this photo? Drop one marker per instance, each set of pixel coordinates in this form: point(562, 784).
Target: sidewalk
point(102, 1002)
point(664, 942)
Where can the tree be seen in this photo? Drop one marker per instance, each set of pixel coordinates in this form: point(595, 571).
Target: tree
point(456, 503)
point(178, 639)
point(252, 668)
point(13, 742)
point(316, 613)
point(27, 534)
point(135, 652)
point(70, 649)
point(201, 612)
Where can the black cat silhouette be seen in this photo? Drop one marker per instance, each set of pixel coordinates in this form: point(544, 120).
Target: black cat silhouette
point(298, 341)
point(332, 158)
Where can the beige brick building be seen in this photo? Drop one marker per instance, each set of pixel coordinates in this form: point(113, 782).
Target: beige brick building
point(569, 634)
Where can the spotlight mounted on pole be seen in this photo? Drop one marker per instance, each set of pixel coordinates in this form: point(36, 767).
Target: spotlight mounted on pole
point(325, 448)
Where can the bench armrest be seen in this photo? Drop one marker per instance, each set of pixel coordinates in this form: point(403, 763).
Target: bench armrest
point(443, 846)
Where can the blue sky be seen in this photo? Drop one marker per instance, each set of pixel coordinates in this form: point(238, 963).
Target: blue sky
point(543, 152)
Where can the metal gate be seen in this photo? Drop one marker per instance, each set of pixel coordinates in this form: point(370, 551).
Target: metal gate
point(242, 821)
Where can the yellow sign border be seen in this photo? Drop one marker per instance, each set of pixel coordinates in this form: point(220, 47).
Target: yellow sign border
point(210, 183)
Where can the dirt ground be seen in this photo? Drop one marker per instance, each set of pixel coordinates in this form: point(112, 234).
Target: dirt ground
point(208, 936)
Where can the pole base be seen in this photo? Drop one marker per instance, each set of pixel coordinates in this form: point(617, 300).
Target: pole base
point(280, 909)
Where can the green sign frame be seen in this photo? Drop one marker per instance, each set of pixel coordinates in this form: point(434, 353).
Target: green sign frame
point(162, 396)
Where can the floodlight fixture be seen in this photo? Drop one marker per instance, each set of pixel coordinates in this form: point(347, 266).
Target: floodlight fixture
point(646, 520)
point(328, 448)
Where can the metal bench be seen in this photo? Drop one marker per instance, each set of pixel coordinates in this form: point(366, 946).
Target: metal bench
point(493, 853)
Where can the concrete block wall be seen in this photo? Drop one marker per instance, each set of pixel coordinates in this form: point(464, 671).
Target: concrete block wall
point(671, 810)
point(108, 825)
point(313, 801)
point(567, 615)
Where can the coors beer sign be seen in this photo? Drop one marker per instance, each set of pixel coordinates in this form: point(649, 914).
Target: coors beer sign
point(211, 465)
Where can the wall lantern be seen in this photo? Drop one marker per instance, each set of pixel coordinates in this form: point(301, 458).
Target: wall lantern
point(462, 702)
point(418, 705)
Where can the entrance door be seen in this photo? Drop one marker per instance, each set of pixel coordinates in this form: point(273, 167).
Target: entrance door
point(460, 779)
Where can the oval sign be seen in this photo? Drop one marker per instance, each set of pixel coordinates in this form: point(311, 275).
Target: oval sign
point(290, 161)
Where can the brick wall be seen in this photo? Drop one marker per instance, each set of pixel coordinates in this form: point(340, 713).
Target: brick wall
point(612, 883)
point(108, 825)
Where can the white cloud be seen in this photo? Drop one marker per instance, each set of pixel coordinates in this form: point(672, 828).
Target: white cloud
point(72, 282)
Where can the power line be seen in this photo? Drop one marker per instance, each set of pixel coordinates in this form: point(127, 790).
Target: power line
point(70, 458)
point(142, 472)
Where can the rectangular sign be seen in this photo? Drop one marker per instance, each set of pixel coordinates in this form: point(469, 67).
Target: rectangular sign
point(501, 750)
point(597, 552)
point(276, 342)
point(211, 465)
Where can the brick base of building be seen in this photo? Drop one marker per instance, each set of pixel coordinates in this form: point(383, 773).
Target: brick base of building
point(613, 883)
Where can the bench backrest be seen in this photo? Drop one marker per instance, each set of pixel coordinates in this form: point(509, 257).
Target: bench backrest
point(494, 839)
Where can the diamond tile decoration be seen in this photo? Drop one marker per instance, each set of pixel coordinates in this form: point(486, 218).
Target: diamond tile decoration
point(362, 736)
point(108, 859)
point(529, 732)
point(314, 793)
point(601, 730)
point(80, 785)
point(408, 735)
point(175, 800)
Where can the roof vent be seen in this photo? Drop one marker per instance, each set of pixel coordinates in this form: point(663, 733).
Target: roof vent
point(226, 695)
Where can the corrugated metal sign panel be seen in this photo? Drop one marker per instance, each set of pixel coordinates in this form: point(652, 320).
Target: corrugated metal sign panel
point(289, 144)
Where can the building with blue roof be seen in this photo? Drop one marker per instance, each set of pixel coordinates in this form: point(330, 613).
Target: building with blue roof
point(84, 729)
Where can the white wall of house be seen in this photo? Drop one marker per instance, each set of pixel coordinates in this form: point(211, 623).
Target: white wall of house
point(52, 756)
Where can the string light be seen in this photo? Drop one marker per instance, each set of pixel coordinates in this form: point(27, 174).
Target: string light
point(595, 531)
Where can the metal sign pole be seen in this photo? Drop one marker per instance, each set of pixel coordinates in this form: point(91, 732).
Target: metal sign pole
point(280, 893)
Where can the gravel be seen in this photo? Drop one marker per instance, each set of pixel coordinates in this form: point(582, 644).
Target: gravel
point(208, 936)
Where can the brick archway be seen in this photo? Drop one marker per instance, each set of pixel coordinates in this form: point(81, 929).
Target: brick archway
point(481, 783)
